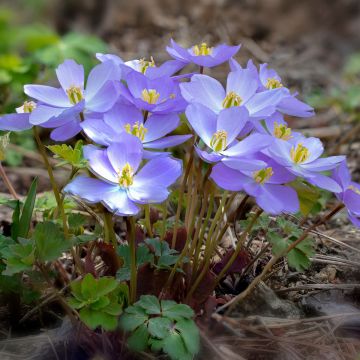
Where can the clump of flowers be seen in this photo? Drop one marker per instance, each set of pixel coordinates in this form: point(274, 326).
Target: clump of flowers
point(167, 152)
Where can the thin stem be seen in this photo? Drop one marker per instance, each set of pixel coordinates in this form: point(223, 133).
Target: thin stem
point(183, 252)
point(275, 258)
point(133, 272)
point(147, 220)
point(201, 70)
point(239, 246)
point(209, 246)
point(164, 216)
point(109, 232)
point(181, 194)
point(52, 181)
point(8, 183)
point(202, 234)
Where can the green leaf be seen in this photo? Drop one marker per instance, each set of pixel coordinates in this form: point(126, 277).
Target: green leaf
point(105, 285)
point(143, 255)
point(298, 260)
point(94, 319)
point(133, 317)
point(279, 242)
point(27, 212)
point(76, 303)
point(19, 257)
point(159, 327)
point(308, 196)
point(190, 335)
point(174, 346)
point(150, 304)
point(83, 239)
point(113, 309)
point(176, 311)
point(76, 220)
point(49, 241)
point(89, 287)
point(15, 222)
point(69, 155)
point(138, 341)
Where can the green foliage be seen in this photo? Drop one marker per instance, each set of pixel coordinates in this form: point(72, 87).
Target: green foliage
point(155, 252)
point(21, 219)
point(73, 45)
point(47, 205)
point(161, 326)
point(49, 241)
point(281, 233)
point(99, 301)
point(69, 155)
point(27, 211)
point(18, 257)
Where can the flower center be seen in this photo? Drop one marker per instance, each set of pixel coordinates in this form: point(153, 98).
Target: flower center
point(299, 154)
point(354, 189)
point(231, 99)
point(28, 106)
point(218, 141)
point(281, 131)
point(151, 96)
point(263, 175)
point(144, 64)
point(126, 176)
point(202, 49)
point(138, 130)
point(273, 84)
point(74, 94)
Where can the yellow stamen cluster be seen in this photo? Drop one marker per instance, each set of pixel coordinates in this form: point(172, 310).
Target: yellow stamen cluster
point(28, 106)
point(202, 49)
point(218, 141)
point(74, 94)
point(299, 154)
point(263, 175)
point(354, 189)
point(126, 176)
point(273, 84)
point(281, 131)
point(151, 96)
point(231, 99)
point(144, 64)
point(138, 130)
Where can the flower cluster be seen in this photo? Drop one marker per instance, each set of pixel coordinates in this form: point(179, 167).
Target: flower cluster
point(128, 111)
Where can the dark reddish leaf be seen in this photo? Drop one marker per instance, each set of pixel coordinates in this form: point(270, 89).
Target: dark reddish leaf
point(242, 260)
point(180, 238)
point(108, 255)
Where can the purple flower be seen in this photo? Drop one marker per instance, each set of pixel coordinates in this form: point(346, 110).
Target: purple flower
point(123, 186)
point(146, 67)
point(20, 120)
point(240, 91)
point(302, 158)
point(350, 192)
point(266, 184)
point(160, 95)
point(289, 105)
point(219, 133)
point(128, 119)
point(201, 54)
point(63, 105)
point(268, 79)
point(276, 126)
